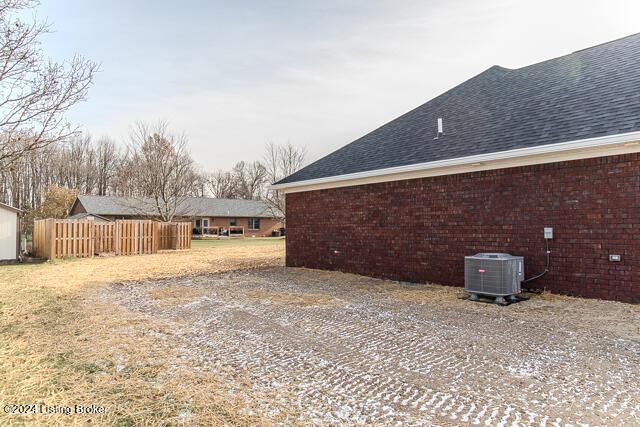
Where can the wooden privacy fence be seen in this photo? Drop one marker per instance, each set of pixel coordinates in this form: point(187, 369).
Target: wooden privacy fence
point(57, 238)
point(136, 237)
point(104, 237)
point(175, 235)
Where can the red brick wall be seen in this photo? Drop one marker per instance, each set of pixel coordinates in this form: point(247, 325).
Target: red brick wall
point(419, 230)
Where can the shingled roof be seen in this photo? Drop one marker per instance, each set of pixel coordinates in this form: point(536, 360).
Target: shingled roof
point(589, 93)
point(192, 206)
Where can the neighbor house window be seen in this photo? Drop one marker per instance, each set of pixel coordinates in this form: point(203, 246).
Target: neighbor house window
point(233, 222)
point(197, 223)
point(254, 223)
point(206, 227)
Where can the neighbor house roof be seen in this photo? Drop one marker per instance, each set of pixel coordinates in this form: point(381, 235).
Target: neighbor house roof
point(191, 206)
point(589, 94)
point(87, 215)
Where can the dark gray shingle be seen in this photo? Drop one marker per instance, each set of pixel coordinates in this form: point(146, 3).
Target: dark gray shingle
point(589, 93)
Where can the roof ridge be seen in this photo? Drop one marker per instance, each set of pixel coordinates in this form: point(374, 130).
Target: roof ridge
point(604, 43)
point(191, 205)
point(188, 197)
point(572, 53)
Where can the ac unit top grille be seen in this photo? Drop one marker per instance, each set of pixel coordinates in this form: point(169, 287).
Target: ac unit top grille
point(493, 255)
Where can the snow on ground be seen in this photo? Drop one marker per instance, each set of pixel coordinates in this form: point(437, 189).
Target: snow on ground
point(332, 348)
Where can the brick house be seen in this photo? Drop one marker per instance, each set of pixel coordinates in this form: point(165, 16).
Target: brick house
point(210, 216)
point(485, 167)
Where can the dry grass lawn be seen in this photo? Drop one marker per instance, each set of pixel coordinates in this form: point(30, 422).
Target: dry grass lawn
point(60, 349)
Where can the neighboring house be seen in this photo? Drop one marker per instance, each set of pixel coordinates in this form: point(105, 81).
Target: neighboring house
point(88, 216)
point(209, 216)
point(9, 232)
point(485, 167)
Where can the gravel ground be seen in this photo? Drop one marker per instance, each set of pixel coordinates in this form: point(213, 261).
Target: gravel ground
point(330, 348)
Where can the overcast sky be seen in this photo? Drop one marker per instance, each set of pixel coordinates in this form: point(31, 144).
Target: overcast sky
point(235, 75)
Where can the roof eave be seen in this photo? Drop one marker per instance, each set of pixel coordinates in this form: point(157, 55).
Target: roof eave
point(571, 150)
point(11, 208)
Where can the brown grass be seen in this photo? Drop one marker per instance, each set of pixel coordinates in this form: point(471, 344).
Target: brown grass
point(175, 295)
point(60, 347)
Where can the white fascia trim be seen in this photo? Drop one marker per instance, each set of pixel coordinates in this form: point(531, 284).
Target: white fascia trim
point(584, 146)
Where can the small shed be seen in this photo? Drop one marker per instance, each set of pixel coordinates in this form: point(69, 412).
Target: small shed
point(9, 232)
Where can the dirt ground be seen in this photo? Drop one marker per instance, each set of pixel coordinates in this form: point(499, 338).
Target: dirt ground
point(302, 346)
point(224, 335)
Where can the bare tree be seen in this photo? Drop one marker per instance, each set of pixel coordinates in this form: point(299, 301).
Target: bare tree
point(221, 185)
point(161, 169)
point(123, 184)
point(35, 93)
point(249, 180)
point(24, 182)
point(78, 162)
point(244, 181)
point(106, 164)
point(279, 162)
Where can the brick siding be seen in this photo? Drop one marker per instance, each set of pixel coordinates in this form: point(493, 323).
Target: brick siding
point(267, 225)
point(419, 230)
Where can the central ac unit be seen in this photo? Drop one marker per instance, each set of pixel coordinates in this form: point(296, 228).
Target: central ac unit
point(493, 274)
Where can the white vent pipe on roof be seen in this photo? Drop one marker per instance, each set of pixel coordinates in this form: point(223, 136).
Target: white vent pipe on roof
point(440, 128)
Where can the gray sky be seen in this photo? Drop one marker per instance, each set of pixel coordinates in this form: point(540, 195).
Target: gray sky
point(235, 75)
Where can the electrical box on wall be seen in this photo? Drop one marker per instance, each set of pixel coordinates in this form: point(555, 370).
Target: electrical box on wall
point(548, 233)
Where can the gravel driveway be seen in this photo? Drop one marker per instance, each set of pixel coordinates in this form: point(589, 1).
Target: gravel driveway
point(325, 347)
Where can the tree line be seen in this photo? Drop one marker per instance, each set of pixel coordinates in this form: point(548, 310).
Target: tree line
point(154, 165)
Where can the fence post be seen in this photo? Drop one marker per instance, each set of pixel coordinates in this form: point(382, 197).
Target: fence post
point(155, 237)
point(117, 237)
point(51, 241)
point(92, 242)
point(141, 237)
point(136, 241)
point(174, 235)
